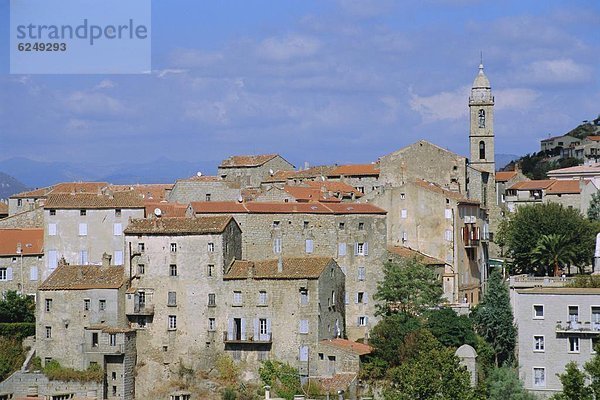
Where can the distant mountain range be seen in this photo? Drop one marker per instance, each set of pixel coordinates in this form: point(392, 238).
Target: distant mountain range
point(9, 186)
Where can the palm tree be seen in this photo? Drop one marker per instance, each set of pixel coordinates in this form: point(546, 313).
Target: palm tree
point(553, 249)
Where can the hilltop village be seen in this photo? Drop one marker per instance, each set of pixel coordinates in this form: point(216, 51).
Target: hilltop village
point(265, 261)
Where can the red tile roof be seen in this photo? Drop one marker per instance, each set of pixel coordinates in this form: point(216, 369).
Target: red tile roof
point(407, 252)
point(178, 226)
point(292, 268)
point(167, 209)
point(280, 176)
point(355, 347)
point(306, 194)
point(36, 193)
point(232, 207)
point(202, 178)
point(314, 172)
point(533, 185)
point(356, 170)
point(247, 161)
point(82, 277)
point(335, 187)
point(118, 199)
point(594, 138)
point(31, 240)
point(571, 186)
point(504, 176)
point(154, 191)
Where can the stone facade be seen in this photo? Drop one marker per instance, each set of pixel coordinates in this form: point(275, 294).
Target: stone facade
point(21, 260)
point(36, 384)
point(204, 188)
point(25, 219)
point(250, 171)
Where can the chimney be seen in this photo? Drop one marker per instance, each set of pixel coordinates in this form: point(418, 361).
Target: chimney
point(106, 258)
point(306, 164)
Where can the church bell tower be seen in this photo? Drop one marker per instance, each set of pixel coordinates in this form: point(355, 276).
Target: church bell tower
point(481, 134)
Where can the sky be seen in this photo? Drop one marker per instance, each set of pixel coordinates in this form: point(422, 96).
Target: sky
point(327, 81)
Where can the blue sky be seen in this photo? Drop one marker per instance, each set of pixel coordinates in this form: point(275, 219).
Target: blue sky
point(319, 81)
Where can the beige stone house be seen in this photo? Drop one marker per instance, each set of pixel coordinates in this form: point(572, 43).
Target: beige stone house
point(204, 188)
point(570, 193)
point(251, 170)
point(353, 234)
point(21, 260)
point(281, 309)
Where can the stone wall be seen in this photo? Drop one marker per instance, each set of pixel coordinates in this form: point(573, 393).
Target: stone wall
point(187, 190)
point(21, 384)
point(25, 219)
point(26, 273)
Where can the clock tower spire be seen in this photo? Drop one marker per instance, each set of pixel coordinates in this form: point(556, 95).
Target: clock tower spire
point(481, 135)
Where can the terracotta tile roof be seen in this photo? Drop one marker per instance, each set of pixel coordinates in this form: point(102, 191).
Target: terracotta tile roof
point(249, 194)
point(504, 176)
point(3, 208)
point(154, 191)
point(168, 210)
point(122, 199)
point(293, 268)
point(335, 187)
point(280, 176)
point(31, 240)
point(593, 168)
point(560, 290)
point(358, 348)
point(445, 192)
point(594, 138)
point(78, 187)
point(570, 186)
point(232, 207)
point(36, 193)
point(316, 171)
point(533, 185)
point(407, 252)
point(82, 277)
point(306, 194)
point(178, 226)
point(336, 382)
point(202, 178)
point(246, 161)
point(356, 170)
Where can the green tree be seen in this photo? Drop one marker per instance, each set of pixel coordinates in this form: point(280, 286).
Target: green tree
point(573, 384)
point(503, 384)
point(451, 329)
point(431, 372)
point(16, 308)
point(521, 233)
point(408, 287)
point(11, 356)
point(553, 251)
point(283, 378)
point(493, 319)
point(593, 212)
point(592, 367)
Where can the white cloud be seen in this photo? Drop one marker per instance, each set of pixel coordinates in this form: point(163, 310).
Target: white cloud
point(93, 104)
point(515, 99)
point(563, 70)
point(105, 84)
point(440, 106)
point(161, 73)
point(288, 47)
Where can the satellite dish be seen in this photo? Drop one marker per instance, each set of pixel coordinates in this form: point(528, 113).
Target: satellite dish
point(240, 199)
point(271, 172)
point(157, 212)
point(198, 173)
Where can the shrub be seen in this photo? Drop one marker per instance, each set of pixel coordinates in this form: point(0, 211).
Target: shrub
point(55, 372)
point(228, 371)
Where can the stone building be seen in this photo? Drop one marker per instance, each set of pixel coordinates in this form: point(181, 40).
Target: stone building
point(21, 260)
point(176, 300)
point(556, 325)
point(204, 188)
point(363, 177)
point(353, 234)
point(281, 309)
point(504, 180)
point(82, 227)
point(250, 171)
point(570, 193)
point(3, 209)
point(81, 321)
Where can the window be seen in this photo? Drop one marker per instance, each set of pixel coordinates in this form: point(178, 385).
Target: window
point(210, 270)
point(172, 322)
point(539, 376)
point(277, 246)
point(363, 320)
point(212, 324)
point(482, 150)
point(303, 296)
point(117, 212)
point(114, 391)
point(360, 249)
point(538, 343)
point(112, 339)
point(173, 270)
point(309, 246)
point(212, 300)
point(448, 235)
point(303, 326)
point(118, 257)
point(83, 213)
point(361, 226)
point(403, 213)
point(361, 297)
point(333, 298)
point(341, 226)
point(538, 311)
point(361, 273)
point(237, 298)
point(262, 298)
point(596, 317)
point(141, 247)
point(211, 247)
point(276, 224)
point(305, 225)
point(481, 119)
point(95, 339)
point(263, 327)
point(102, 304)
point(341, 249)
point(172, 299)
point(402, 196)
point(141, 269)
point(52, 212)
point(113, 375)
point(173, 247)
point(82, 229)
point(448, 213)
point(86, 304)
point(48, 332)
point(51, 229)
point(141, 322)
point(19, 202)
point(118, 229)
point(207, 196)
point(3, 274)
point(573, 316)
point(48, 305)
point(573, 345)
point(83, 257)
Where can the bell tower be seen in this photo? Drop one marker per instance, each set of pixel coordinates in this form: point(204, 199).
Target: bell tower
point(481, 134)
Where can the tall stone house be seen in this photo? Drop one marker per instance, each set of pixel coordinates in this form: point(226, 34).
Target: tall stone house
point(21, 260)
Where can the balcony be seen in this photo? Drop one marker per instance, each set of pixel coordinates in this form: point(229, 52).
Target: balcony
point(104, 349)
point(250, 339)
point(133, 308)
point(470, 235)
point(576, 327)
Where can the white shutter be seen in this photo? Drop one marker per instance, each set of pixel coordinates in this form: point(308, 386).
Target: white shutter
point(118, 257)
point(403, 213)
point(268, 326)
point(82, 229)
point(118, 229)
point(346, 298)
point(366, 249)
point(341, 249)
point(366, 321)
point(365, 297)
point(309, 246)
point(448, 235)
point(448, 213)
point(356, 299)
point(355, 248)
point(52, 260)
point(303, 353)
point(357, 321)
point(33, 273)
point(51, 229)
point(243, 333)
point(230, 329)
point(83, 257)
point(256, 332)
point(9, 274)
